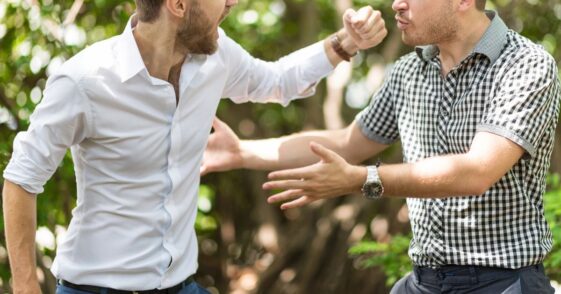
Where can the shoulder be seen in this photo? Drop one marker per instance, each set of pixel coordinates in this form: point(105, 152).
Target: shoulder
point(522, 53)
point(225, 43)
point(89, 61)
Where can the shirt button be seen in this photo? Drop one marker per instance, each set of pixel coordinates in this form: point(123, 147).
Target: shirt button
point(444, 113)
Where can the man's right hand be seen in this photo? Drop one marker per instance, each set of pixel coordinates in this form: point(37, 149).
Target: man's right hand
point(365, 27)
point(223, 150)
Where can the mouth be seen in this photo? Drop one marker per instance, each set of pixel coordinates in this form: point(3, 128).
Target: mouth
point(402, 24)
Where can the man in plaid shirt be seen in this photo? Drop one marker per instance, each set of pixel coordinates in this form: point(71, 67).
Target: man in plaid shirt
point(475, 108)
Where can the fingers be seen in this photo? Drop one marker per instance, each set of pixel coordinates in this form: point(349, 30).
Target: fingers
point(348, 24)
point(366, 26)
point(288, 174)
point(285, 185)
point(286, 195)
point(378, 30)
point(304, 200)
point(362, 18)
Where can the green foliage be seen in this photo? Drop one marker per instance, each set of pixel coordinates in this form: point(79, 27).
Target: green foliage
point(391, 257)
point(34, 39)
point(205, 222)
point(552, 206)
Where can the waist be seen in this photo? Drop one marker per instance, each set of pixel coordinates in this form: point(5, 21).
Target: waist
point(462, 274)
point(95, 289)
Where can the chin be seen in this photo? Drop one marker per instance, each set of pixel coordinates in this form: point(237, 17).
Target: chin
point(408, 40)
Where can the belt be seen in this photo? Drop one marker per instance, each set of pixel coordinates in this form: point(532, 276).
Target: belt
point(103, 290)
point(458, 274)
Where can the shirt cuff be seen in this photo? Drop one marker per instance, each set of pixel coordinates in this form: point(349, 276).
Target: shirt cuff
point(368, 133)
point(26, 174)
point(503, 132)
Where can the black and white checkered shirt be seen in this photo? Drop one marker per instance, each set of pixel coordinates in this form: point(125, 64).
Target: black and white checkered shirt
point(508, 86)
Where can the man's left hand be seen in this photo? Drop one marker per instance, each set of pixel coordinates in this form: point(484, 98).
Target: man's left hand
point(331, 177)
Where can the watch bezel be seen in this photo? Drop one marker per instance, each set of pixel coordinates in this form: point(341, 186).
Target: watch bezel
point(372, 188)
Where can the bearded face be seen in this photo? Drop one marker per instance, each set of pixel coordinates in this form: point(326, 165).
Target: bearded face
point(197, 32)
point(436, 25)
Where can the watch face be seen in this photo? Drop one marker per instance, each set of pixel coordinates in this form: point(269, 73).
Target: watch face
point(374, 190)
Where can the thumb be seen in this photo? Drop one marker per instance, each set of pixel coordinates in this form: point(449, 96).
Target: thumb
point(217, 123)
point(327, 155)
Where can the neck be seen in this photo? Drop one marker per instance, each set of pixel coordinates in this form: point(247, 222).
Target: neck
point(453, 51)
point(156, 43)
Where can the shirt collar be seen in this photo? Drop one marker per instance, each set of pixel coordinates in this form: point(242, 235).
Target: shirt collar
point(128, 55)
point(491, 43)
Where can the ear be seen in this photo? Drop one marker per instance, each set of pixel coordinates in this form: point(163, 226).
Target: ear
point(177, 8)
point(466, 5)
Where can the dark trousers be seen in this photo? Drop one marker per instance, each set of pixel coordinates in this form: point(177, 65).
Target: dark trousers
point(474, 279)
point(192, 288)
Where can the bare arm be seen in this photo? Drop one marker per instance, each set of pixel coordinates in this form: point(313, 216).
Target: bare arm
point(294, 150)
point(225, 151)
point(489, 158)
point(20, 223)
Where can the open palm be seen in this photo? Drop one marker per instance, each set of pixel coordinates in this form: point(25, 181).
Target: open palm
point(223, 150)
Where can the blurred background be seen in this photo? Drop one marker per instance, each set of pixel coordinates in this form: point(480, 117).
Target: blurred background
point(346, 245)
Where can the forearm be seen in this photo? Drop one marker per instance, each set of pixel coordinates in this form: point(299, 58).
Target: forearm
point(289, 151)
point(442, 176)
point(20, 223)
point(490, 157)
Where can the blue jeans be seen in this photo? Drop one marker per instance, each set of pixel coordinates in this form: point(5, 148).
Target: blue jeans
point(192, 288)
point(474, 279)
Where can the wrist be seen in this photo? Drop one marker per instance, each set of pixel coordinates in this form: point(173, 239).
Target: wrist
point(347, 44)
point(244, 156)
point(357, 175)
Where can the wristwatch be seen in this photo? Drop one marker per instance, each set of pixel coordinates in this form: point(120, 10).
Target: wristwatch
point(372, 188)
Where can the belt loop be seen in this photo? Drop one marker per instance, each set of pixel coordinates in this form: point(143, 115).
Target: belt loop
point(473, 274)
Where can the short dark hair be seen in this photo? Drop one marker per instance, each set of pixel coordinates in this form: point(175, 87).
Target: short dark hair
point(148, 10)
point(480, 4)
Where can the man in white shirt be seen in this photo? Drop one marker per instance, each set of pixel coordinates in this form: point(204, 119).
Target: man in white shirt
point(136, 111)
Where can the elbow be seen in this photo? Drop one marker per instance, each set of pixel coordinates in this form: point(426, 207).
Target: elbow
point(481, 183)
point(479, 188)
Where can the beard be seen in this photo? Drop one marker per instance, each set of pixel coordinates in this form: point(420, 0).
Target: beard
point(197, 34)
point(434, 30)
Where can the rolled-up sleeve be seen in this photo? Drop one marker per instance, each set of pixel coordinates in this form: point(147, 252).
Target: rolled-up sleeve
point(61, 120)
point(291, 77)
point(378, 121)
point(527, 104)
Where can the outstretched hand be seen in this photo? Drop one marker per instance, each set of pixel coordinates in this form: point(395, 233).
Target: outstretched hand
point(331, 177)
point(366, 27)
point(222, 152)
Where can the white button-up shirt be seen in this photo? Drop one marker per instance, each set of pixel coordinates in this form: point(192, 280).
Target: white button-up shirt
point(137, 154)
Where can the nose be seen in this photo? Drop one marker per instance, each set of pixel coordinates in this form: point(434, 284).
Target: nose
point(399, 5)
